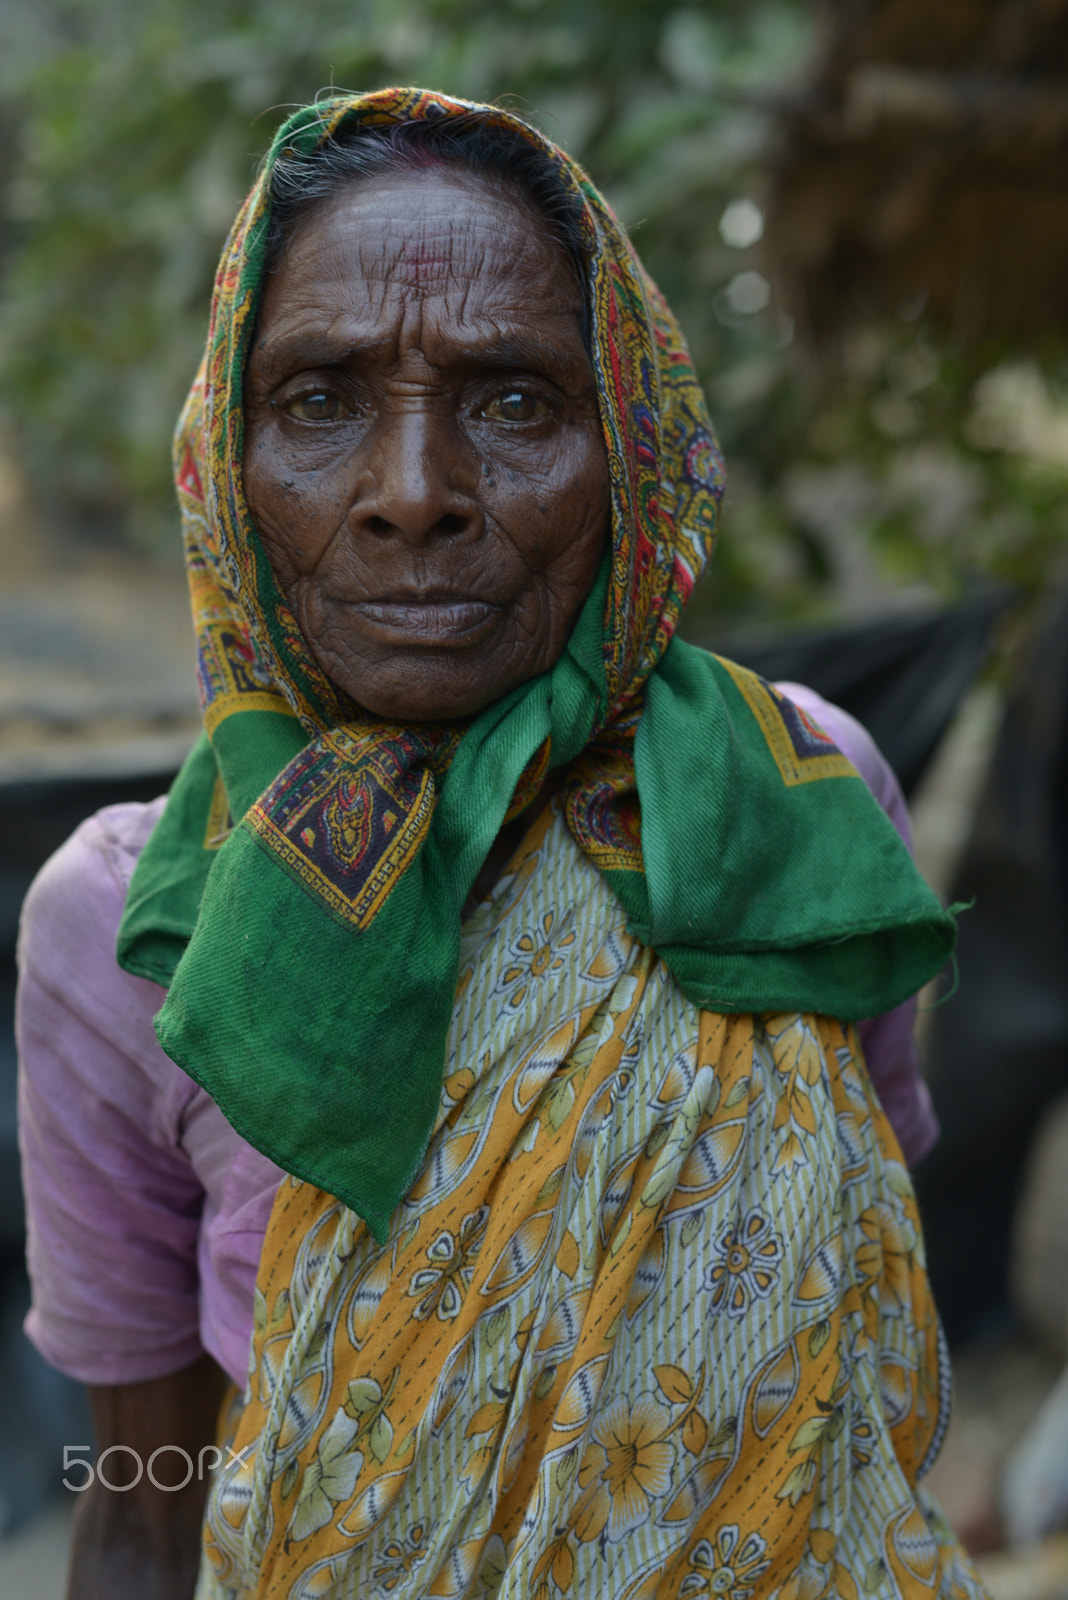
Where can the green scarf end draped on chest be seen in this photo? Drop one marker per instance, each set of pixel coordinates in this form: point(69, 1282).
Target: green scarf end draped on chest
point(767, 888)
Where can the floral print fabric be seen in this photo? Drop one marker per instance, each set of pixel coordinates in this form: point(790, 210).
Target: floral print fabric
point(652, 1320)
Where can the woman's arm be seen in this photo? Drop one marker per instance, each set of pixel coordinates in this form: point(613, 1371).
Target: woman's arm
point(887, 1041)
point(143, 1542)
point(113, 1203)
point(114, 1208)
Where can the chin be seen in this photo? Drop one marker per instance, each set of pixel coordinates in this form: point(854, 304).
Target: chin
point(420, 702)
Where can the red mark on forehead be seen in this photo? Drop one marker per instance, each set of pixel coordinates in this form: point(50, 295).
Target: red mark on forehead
point(423, 263)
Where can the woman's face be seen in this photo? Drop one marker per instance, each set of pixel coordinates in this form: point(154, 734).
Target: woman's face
point(423, 455)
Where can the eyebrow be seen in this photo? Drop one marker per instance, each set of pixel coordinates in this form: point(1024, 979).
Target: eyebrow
point(517, 350)
point(301, 350)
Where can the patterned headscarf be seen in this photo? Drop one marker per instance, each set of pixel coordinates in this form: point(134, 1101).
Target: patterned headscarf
point(312, 950)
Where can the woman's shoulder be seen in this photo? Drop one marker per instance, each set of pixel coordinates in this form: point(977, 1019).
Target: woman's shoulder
point(100, 855)
point(70, 983)
point(72, 912)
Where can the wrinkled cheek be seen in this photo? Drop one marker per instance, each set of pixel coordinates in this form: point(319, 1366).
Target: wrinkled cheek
point(295, 510)
point(562, 536)
point(330, 637)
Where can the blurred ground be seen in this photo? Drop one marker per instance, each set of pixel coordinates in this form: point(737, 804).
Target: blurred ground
point(1040, 1573)
point(95, 653)
point(33, 1563)
point(998, 1388)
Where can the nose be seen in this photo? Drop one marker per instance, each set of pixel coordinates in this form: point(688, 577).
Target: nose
point(417, 483)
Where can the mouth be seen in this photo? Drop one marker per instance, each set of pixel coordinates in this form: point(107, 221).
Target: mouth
point(429, 619)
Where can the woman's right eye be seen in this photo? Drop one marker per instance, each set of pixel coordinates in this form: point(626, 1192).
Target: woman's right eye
point(318, 405)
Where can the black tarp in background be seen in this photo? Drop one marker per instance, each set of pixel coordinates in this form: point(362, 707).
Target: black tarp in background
point(902, 676)
point(998, 1051)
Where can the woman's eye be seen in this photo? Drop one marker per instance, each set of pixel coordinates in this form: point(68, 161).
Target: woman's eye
point(513, 405)
point(317, 406)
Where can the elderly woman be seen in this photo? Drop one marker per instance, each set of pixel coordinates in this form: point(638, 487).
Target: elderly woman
point(511, 950)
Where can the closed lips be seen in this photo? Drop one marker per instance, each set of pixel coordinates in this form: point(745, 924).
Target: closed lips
point(444, 616)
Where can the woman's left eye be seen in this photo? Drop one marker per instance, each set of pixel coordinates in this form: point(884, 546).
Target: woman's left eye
point(515, 405)
point(317, 405)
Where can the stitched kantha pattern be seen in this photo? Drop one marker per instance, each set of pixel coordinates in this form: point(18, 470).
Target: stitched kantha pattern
point(652, 1320)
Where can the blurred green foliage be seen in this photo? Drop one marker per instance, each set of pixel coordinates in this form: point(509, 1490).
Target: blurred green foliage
point(129, 133)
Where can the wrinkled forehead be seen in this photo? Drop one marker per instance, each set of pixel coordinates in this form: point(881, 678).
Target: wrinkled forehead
point(467, 252)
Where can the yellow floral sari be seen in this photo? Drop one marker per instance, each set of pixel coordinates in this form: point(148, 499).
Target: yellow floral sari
point(652, 1321)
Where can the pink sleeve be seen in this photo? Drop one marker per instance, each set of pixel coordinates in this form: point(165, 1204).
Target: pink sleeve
point(889, 1047)
point(113, 1205)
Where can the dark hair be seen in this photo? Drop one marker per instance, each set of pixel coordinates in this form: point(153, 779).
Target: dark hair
point(360, 150)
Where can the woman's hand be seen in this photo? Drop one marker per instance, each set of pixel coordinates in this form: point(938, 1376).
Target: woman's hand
point(142, 1542)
